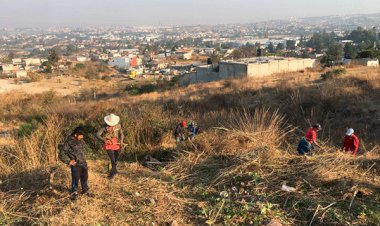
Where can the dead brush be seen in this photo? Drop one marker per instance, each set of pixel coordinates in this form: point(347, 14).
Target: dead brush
point(233, 147)
point(37, 150)
point(248, 130)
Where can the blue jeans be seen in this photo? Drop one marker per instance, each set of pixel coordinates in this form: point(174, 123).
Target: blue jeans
point(304, 147)
point(79, 172)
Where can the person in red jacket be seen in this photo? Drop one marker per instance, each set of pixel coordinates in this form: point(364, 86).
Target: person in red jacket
point(306, 144)
point(351, 142)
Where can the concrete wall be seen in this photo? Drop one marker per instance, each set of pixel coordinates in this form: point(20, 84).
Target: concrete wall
point(232, 70)
point(228, 70)
point(373, 63)
point(366, 62)
point(279, 66)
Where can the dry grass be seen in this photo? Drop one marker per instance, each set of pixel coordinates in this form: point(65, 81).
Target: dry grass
point(231, 174)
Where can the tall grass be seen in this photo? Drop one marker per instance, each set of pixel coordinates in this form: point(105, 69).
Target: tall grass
point(36, 150)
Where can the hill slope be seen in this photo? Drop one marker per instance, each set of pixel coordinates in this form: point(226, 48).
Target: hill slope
point(231, 174)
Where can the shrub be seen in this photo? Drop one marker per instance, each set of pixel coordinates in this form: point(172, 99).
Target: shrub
point(137, 90)
point(35, 77)
point(80, 66)
point(26, 129)
point(49, 97)
point(333, 74)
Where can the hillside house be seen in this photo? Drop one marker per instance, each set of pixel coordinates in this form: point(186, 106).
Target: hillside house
point(184, 54)
point(32, 61)
point(17, 61)
point(125, 62)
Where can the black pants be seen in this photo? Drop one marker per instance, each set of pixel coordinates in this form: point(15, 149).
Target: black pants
point(79, 172)
point(114, 155)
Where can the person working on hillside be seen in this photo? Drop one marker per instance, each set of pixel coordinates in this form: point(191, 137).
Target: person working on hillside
point(193, 129)
point(180, 132)
point(72, 153)
point(350, 142)
point(306, 144)
point(112, 137)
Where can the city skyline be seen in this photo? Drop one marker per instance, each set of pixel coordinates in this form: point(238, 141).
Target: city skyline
point(47, 13)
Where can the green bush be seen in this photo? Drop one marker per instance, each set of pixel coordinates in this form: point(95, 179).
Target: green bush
point(333, 73)
point(26, 129)
point(80, 66)
point(137, 90)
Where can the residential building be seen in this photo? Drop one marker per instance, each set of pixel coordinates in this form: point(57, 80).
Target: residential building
point(82, 59)
point(184, 54)
point(32, 61)
point(17, 61)
point(120, 62)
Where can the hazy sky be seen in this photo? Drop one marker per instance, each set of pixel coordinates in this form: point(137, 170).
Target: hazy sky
point(42, 13)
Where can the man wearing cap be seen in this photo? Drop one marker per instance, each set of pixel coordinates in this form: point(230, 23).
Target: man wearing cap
point(112, 137)
point(306, 144)
point(350, 142)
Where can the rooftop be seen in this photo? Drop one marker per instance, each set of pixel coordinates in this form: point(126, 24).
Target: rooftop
point(257, 60)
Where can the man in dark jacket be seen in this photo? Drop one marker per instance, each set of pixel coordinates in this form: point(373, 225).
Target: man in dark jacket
point(72, 153)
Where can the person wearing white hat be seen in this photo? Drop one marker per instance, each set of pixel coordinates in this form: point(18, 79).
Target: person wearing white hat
point(350, 142)
point(112, 137)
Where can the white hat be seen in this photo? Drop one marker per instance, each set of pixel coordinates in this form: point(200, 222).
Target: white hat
point(112, 120)
point(349, 132)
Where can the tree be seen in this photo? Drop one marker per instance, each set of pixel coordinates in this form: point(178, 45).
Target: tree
point(214, 58)
point(321, 41)
point(280, 47)
point(8, 59)
point(369, 53)
point(237, 54)
point(245, 51)
point(54, 55)
point(350, 51)
point(333, 55)
point(47, 66)
point(271, 48)
point(70, 49)
point(302, 42)
point(361, 35)
point(291, 44)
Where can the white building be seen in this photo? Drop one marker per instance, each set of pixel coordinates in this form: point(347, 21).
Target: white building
point(120, 62)
point(17, 61)
point(32, 61)
point(184, 54)
point(8, 68)
point(82, 59)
